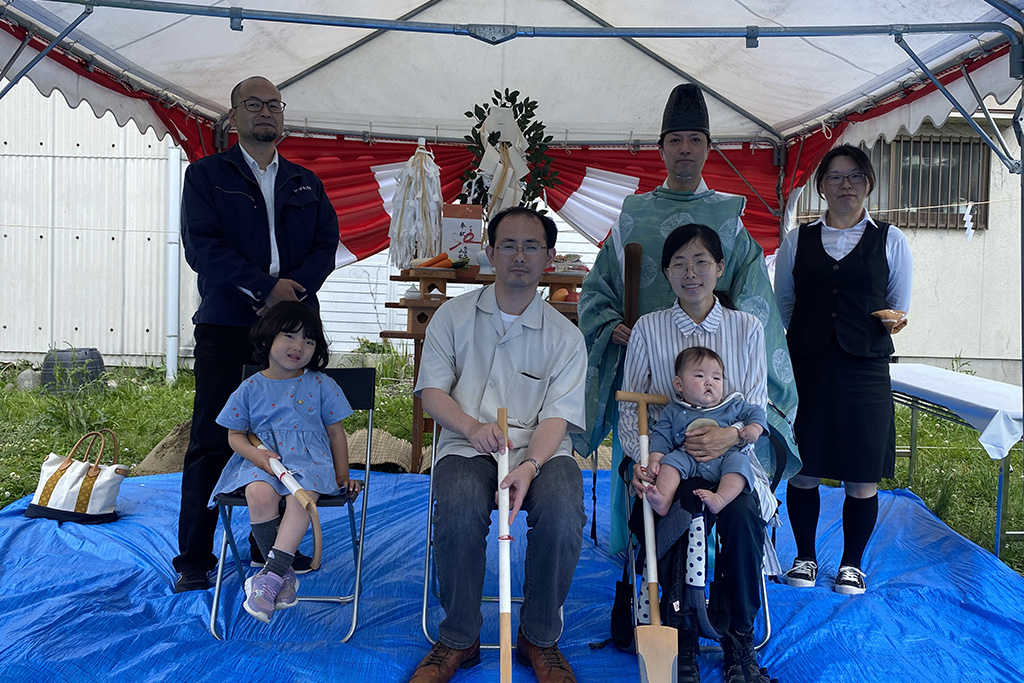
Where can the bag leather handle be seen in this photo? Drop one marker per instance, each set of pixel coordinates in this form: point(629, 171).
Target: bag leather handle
point(100, 434)
point(92, 436)
point(113, 436)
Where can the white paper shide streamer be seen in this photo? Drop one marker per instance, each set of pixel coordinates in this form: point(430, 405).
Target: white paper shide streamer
point(416, 213)
point(505, 162)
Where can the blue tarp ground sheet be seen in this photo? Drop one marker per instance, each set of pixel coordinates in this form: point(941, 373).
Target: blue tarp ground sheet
point(84, 603)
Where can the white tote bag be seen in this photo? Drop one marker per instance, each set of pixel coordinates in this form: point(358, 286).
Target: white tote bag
point(71, 490)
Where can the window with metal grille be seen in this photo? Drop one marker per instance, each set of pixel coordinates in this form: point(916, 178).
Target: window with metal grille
point(924, 181)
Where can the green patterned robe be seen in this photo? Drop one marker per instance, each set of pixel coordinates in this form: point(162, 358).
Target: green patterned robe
point(648, 219)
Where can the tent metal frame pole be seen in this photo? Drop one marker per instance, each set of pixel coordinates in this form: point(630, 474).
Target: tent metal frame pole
point(45, 51)
point(17, 53)
point(1013, 165)
point(774, 212)
point(173, 325)
point(634, 145)
point(988, 115)
point(499, 33)
point(1009, 10)
point(899, 90)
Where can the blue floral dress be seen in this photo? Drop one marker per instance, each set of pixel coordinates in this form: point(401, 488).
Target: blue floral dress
point(290, 417)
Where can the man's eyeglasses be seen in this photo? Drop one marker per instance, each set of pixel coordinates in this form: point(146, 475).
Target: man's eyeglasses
point(857, 178)
point(256, 105)
point(701, 267)
point(512, 250)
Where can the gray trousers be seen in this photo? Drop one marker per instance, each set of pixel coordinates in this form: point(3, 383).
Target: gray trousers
point(464, 491)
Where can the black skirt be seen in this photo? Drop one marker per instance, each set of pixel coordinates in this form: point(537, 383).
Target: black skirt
point(845, 424)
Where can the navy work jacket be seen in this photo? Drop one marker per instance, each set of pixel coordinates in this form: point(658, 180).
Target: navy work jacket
point(226, 236)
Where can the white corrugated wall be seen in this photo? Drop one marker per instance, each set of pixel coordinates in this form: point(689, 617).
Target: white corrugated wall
point(83, 232)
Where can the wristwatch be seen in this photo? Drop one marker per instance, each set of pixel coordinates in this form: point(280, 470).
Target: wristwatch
point(536, 464)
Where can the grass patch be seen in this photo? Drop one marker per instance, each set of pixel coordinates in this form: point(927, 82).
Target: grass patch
point(136, 403)
point(957, 479)
point(954, 476)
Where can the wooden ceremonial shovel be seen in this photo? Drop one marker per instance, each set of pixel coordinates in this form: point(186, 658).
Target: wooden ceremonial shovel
point(656, 645)
point(301, 495)
point(504, 561)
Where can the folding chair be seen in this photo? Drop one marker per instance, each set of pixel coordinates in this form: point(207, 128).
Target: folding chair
point(429, 574)
point(779, 453)
point(359, 386)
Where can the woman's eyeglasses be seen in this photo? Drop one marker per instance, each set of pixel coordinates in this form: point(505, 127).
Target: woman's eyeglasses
point(701, 267)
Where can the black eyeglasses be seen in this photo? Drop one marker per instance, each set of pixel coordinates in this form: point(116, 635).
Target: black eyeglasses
point(254, 104)
point(857, 178)
point(512, 249)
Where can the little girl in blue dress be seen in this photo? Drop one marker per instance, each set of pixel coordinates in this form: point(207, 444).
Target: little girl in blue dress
point(296, 412)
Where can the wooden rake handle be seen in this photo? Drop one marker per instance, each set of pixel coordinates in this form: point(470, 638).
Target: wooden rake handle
point(642, 400)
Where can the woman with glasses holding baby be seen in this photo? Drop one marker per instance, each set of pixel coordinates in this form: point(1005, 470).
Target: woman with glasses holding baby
point(843, 286)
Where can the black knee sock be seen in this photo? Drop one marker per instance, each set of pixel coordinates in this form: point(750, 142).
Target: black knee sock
point(859, 517)
point(804, 506)
point(265, 534)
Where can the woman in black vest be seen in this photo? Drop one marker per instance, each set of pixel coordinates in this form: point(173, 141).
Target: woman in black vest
point(833, 278)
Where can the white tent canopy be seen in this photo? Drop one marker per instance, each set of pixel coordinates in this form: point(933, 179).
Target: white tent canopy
point(418, 77)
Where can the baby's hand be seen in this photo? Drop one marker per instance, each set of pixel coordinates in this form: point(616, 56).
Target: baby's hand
point(654, 463)
point(751, 433)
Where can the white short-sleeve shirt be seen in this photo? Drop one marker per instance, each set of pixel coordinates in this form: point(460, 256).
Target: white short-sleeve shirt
point(536, 369)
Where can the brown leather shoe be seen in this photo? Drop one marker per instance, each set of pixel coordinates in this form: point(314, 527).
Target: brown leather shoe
point(548, 663)
point(441, 662)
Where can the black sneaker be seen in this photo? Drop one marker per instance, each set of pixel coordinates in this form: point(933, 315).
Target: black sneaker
point(303, 564)
point(741, 660)
point(687, 669)
point(803, 574)
point(192, 580)
point(850, 580)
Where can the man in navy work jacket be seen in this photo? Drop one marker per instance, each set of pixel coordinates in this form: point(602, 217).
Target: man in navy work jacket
point(258, 230)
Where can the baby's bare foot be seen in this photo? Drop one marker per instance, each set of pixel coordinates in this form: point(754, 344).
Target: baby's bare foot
point(714, 502)
point(658, 501)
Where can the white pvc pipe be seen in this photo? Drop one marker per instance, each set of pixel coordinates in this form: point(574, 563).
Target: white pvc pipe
point(504, 560)
point(173, 259)
point(504, 540)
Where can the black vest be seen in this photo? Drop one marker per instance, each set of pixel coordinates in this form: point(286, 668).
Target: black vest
point(838, 296)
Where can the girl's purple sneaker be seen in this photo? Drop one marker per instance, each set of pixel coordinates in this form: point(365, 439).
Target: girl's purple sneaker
point(261, 591)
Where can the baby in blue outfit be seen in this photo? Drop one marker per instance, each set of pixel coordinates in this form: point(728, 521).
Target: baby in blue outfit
point(699, 378)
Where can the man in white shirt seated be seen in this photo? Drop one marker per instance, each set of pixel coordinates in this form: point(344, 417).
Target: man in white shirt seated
point(503, 346)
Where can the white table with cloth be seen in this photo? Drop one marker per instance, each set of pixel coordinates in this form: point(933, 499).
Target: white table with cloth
point(993, 408)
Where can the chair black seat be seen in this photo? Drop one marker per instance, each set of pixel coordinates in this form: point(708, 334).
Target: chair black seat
point(237, 499)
